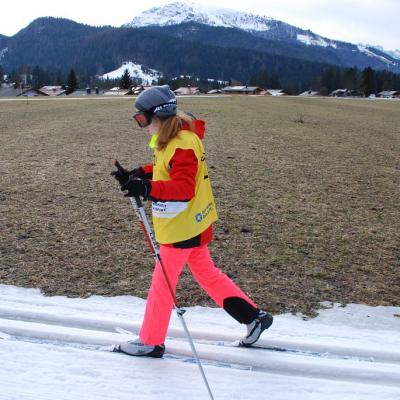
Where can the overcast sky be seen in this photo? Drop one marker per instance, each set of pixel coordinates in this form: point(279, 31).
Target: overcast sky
point(374, 22)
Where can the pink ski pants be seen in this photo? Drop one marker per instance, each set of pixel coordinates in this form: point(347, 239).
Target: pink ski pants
point(159, 301)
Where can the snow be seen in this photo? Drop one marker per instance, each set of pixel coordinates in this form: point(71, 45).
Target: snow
point(53, 348)
point(147, 75)
point(392, 53)
point(395, 53)
point(367, 51)
point(3, 53)
point(177, 13)
point(314, 40)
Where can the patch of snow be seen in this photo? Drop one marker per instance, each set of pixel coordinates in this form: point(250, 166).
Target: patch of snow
point(177, 13)
point(392, 53)
point(146, 75)
point(3, 53)
point(364, 49)
point(395, 53)
point(314, 40)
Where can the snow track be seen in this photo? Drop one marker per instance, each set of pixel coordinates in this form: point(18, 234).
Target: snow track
point(302, 358)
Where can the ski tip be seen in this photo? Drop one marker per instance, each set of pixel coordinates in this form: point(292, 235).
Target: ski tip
point(114, 348)
point(4, 336)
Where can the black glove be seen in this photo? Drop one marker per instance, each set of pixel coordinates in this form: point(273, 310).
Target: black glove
point(138, 173)
point(137, 187)
point(121, 175)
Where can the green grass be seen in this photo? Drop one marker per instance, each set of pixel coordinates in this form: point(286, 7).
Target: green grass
point(307, 193)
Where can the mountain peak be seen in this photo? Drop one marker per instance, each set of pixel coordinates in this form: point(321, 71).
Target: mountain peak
point(178, 13)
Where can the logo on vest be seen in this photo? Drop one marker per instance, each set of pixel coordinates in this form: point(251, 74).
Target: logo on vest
point(199, 217)
point(203, 214)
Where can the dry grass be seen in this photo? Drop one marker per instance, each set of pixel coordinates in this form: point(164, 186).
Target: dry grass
point(307, 191)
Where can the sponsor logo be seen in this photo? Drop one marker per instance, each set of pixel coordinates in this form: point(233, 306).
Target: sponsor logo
point(168, 209)
point(200, 216)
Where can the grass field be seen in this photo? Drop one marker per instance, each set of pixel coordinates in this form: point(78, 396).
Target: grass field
point(307, 192)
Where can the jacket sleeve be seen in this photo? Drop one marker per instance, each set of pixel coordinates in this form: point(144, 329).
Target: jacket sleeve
point(182, 183)
point(148, 170)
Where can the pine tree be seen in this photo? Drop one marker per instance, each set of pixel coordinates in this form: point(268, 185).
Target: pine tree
point(350, 79)
point(72, 82)
point(368, 84)
point(59, 79)
point(126, 81)
point(1, 74)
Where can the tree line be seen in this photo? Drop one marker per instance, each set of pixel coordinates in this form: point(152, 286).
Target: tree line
point(38, 77)
point(367, 81)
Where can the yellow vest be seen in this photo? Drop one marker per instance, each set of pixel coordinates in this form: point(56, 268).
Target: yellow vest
point(175, 221)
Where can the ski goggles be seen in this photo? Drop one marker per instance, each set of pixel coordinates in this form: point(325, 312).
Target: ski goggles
point(143, 119)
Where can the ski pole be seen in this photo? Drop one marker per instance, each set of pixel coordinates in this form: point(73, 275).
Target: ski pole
point(141, 214)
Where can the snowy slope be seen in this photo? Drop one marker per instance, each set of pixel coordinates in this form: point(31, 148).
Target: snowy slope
point(146, 75)
point(55, 346)
point(3, 53)
point(395, 53)
point(315, 40)
point(370, 52)
point(177, 13)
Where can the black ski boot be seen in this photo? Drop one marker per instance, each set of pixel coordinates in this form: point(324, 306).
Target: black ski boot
point(254, 330)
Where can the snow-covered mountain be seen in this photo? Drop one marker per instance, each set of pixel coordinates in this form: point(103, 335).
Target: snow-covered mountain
point(136, 71)
point(261, 26)
point(178, 13)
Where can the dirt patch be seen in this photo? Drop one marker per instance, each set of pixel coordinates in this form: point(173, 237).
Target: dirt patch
point(307, 193)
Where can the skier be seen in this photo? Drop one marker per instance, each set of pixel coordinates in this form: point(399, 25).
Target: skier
point(183, 211)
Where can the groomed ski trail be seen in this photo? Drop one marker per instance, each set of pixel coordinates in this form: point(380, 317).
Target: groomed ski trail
point(376, 366)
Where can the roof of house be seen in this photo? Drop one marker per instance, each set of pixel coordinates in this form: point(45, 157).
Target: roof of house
point(120, 92)
point(82, 93)
point(309, 93)
point(187, 90)
point(276, 92)
point(11, 92)
point(214, 91)
point(340, 91)
point(30, 93)
point(52, 90)
point(243, 89)
point(389, 93)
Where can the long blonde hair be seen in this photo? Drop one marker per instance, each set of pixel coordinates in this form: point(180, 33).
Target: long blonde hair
point(170, 127)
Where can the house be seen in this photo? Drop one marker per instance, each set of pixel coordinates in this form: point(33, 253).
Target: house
point(309, 93)
point(116, 91)
point(12, 91)
point(274, 92)
point(339, 93)
point(29, 92)
point(53, 90)
point(136, 90)
point(215, 91)
point(346, 93)
point(242, 90)
point(188, 90)
point(389, 94)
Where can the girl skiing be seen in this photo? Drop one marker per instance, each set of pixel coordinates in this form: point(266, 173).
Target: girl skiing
point(183, 210)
